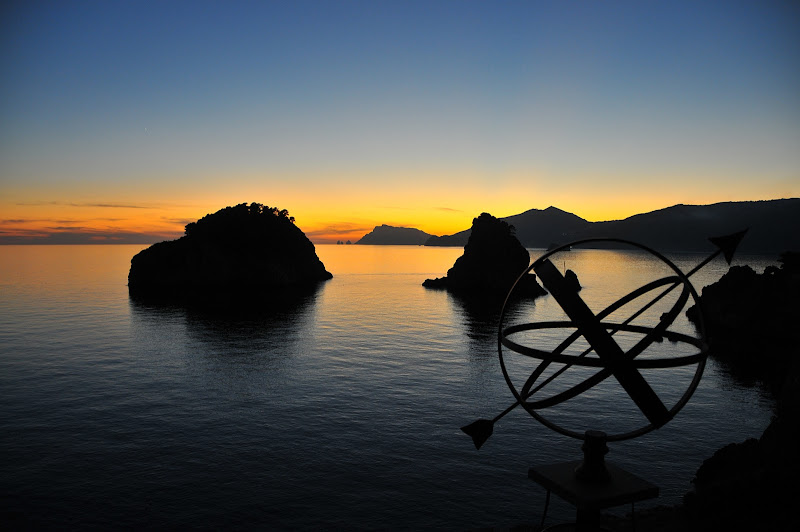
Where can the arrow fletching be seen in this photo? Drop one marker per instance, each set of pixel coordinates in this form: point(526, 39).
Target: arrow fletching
point(479, 431)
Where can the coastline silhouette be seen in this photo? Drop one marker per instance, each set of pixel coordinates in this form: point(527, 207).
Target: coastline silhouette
point(680, 228)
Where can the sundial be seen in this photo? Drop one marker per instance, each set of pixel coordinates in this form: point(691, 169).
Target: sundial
point(549, 363)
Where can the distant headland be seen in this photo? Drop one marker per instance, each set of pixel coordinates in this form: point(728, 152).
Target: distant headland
point(773, 227)
point(386, 235)
point(249, 250)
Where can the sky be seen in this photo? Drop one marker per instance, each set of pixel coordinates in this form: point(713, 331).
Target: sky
point(121, 121)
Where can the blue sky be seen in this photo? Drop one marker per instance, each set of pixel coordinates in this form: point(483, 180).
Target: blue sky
point(444, 108)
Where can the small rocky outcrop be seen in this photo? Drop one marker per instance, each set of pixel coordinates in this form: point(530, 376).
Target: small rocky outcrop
point(572, 280)
point(242, 251)
point(493, 259)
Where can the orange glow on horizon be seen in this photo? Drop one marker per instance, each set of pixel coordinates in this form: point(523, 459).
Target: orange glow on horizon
point(335, 207)
point(110, 223)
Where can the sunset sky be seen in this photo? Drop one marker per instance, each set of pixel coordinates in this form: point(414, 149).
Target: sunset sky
point(124, 120)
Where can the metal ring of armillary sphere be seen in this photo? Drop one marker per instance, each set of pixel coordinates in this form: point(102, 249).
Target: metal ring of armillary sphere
point(609, 359)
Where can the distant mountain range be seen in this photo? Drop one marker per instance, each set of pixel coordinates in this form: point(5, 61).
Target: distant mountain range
point(534, 229)
point(774, 227)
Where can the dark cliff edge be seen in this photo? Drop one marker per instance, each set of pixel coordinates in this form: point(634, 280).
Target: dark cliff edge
point(751, 324)
point(751, 321)
point(238, 254)
point(493, 259)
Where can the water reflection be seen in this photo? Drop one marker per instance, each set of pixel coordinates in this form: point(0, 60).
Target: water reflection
point(233, 329)
point(480, 316)
point(743, 375)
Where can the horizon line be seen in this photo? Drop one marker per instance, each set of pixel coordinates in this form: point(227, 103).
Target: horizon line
point(77, 237)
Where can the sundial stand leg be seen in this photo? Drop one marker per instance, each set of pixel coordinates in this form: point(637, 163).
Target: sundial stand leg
point(593, 469)
point(592, 485)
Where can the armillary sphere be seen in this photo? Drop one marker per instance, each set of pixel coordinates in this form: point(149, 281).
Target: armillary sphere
point(586, 341)
point(611, 359)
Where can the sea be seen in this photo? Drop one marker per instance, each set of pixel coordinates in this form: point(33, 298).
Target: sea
point(341, 410)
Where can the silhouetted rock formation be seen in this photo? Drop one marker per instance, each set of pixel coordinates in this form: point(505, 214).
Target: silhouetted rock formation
point(243, 252)
point(752, 323)
point(386, 235)
point(752, 485)
point(493, 259)
point(749, 485)
point(751, 319)
point(773, 227)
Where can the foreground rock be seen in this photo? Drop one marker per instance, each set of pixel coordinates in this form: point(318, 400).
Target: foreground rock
point(243, 252)
point(493, 259)
point(751, 320)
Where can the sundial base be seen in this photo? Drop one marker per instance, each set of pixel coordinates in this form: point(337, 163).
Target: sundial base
point(589, 498)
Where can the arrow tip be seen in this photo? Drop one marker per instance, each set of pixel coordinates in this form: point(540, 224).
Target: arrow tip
point(479, 431)
point(728, 244)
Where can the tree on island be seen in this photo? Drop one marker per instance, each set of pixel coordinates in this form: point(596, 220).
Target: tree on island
point(493, 259)
point(237, 251)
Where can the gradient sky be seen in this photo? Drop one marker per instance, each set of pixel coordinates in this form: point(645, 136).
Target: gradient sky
point(122, 121)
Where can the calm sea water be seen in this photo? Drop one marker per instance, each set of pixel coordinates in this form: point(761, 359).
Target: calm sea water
point(342, 411)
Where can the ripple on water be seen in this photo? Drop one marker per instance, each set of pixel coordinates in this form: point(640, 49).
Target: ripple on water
point(342, 412)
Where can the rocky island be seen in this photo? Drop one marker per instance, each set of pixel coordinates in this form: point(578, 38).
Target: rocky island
point(243, 251)
point(493, 259)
